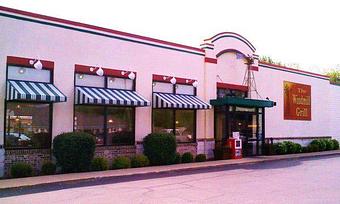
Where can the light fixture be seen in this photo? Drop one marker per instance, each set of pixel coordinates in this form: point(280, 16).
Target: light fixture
point(131, 76)
point(173, 80)
point(153, 84)
point(22, 70)
point(36, 64)
point(99, 70)
point(194, 83)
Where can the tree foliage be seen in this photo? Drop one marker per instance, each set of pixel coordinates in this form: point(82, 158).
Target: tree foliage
point(334, 75)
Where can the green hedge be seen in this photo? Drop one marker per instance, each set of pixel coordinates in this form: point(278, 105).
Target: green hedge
point(323, 145)
point(201, 158)
point(288, 147)
point(139, 161)
point(160, 148)
point(20, 170)
point(48, 168)
point(187, 157)
point(99, 164)
point(74, 151)
point(121, 163)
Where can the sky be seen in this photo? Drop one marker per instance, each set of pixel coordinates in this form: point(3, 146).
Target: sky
point(302, 32)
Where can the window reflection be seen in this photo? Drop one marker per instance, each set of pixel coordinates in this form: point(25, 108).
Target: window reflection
point(28, 125)
point(90, 119)
point(179, 122)
point(120, 125)
point(185, 120)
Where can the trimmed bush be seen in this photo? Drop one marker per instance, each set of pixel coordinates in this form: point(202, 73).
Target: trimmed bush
point(178, 158)
point(74, 151)
point(48, 168)
point(305, 149)
point(99, 164)
point(322, 145)
point(139, 161)
point(298, 148)
point(187, 157)
point(20, 170)
point(335, 144)
point(121, 163)
point(290, 147)
point(160, 148)
point(329, 145)
point(201, 158)
point(280, 148)
point(313, 147)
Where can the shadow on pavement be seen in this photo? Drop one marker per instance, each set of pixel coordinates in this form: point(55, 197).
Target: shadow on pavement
point(102, 181)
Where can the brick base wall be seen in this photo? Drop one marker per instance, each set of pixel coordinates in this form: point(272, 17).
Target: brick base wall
point(110, 152)
point(34, 157)
point(187, 147)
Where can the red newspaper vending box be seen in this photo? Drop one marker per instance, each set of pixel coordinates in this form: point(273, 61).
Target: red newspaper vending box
point(235, 145)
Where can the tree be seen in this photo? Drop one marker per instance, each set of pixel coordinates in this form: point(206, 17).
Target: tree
point(334, 75)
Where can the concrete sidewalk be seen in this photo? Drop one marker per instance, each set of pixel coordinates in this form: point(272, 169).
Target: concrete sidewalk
point(72, 177)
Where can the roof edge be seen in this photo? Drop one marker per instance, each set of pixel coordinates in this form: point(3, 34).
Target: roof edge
point(98, 28)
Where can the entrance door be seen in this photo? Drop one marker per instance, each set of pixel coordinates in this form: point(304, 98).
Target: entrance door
point(246, 124)
point(249, 121)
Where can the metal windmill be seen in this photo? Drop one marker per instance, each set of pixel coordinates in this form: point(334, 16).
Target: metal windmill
point(249, 78)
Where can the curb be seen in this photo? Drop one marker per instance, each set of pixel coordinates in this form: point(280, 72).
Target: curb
point(201, 166)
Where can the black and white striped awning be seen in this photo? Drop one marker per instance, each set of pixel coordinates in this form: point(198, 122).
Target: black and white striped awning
point(105, 96)
point(178, 101)
point(33, 91)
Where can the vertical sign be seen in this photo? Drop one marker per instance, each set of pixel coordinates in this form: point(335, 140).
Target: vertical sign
point(297, 101)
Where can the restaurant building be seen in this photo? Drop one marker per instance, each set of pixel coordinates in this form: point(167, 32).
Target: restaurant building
point(59, 76)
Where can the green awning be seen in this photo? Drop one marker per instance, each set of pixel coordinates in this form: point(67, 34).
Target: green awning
point(234, 101)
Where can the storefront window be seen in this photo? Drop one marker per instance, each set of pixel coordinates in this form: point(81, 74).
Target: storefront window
point(222, 93)
point(28, 74)
point(185, 89)
point(28, 125)
point(163, 87)
point(120, 125)
point(119, 83)
point(179, 122)
point(90, 80)
point(185, 124)
point(90, 119)
point(163, 120)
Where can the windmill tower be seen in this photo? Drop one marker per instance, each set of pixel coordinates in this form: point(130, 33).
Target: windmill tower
point(249, 78)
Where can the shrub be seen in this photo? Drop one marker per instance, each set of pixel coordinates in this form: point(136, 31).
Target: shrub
point(178, 158)
point(160, 148)
point(280, 148)
point(99, 164)
point(201, 158)
point(298, 148)
point(74, 151)
point(313, 147)
point(318, 145)
point(121, 163)
point(20, 170)
point(290, 147)
point(329, 145)
point(48, 168)
point(305, 149)
point(335, 144)
point(187, 157)
point(322, 145)
point(140, 161)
